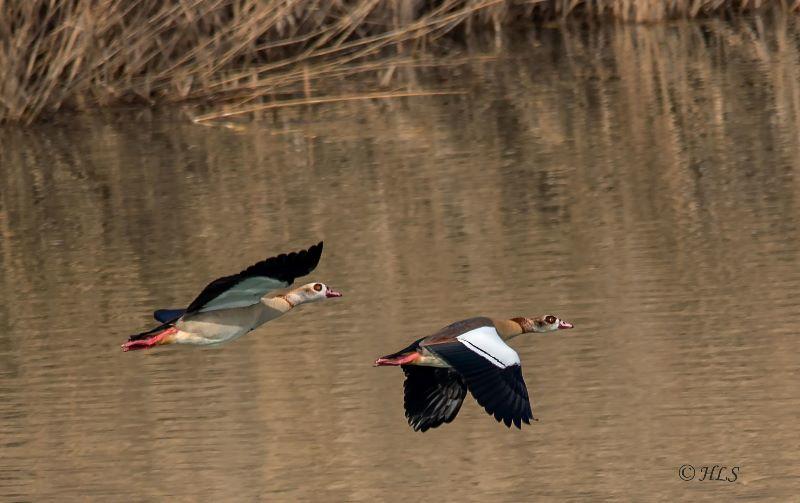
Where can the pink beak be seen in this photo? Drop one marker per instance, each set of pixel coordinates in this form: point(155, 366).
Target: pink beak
point(333, 293)
point(564, 324)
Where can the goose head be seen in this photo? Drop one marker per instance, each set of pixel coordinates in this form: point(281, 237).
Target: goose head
point(545, 323)
point(313, 292)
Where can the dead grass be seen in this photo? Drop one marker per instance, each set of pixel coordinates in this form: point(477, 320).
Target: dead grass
point(236, 54)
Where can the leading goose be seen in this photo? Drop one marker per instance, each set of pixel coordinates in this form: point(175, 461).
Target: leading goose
point(232, 306)
point(468, 355)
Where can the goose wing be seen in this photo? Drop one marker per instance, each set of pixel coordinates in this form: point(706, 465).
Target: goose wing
point(491, 371)
point(247, 287)
point(433, 396)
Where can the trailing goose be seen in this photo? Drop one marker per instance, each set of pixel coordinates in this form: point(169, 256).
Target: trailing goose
point(468, 355)
point(232, 306)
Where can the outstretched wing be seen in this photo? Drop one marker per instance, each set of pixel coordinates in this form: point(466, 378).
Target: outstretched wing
point(492, 373)
point(433, 396)
point(247, 287)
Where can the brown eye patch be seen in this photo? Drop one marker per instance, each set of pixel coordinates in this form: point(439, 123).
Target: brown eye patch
point(318, 287)
point(550, 319)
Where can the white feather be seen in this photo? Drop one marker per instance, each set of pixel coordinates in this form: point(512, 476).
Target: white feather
point(245, 293)
point(485, 342)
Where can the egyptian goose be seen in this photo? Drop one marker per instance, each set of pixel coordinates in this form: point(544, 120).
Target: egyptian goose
point(232, 306)
point(468, 355)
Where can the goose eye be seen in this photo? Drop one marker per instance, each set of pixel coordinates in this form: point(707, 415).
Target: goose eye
point(550, 319)
point(318, 286)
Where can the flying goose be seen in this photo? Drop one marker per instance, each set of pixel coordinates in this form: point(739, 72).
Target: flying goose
point(232, 306)
point(468, 355)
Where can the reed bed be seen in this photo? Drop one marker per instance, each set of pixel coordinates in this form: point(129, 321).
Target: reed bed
point(237, 55)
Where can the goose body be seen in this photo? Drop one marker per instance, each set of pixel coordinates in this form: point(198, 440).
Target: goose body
point(221, 326)
point(232, 306)
point(468, 355)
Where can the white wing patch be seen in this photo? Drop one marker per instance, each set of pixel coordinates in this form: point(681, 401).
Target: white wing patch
point(245, 293)
point(485, 342)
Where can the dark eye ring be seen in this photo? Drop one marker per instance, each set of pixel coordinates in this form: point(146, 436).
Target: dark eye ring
point(550, 319)
point(318, 286)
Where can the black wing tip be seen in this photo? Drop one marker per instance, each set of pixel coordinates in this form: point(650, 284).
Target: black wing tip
point(313, 249)
point(287, 266)
point(509, 417)
point(315, 252)
point(421, 425)
point(301, 262)
point(515, 421)
point(427, 422)
point(418, 426)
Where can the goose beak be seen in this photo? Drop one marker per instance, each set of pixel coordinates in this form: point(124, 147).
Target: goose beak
point(333, 293)
point(564, 324)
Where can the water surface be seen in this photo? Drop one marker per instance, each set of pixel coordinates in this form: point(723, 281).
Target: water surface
point(640, 182)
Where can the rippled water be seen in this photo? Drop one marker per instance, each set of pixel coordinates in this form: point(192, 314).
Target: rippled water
point(642, 183)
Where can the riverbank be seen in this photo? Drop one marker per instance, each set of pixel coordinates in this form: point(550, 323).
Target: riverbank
point(244, 56)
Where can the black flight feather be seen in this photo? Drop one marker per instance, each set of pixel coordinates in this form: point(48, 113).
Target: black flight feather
point(285, 267)
point(500, 391)
point(433, 396)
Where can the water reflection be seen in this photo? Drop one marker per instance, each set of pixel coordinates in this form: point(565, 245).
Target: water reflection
point(640, 182)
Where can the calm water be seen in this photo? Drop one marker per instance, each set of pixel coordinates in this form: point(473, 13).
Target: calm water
point(642, 183)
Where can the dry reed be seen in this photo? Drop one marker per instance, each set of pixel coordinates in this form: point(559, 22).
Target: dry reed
point(81, 54)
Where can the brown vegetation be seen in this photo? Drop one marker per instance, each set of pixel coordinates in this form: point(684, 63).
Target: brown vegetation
point(234, 53)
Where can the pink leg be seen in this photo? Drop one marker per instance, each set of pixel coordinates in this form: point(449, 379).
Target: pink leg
point(148, 343)
point(398, 360)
